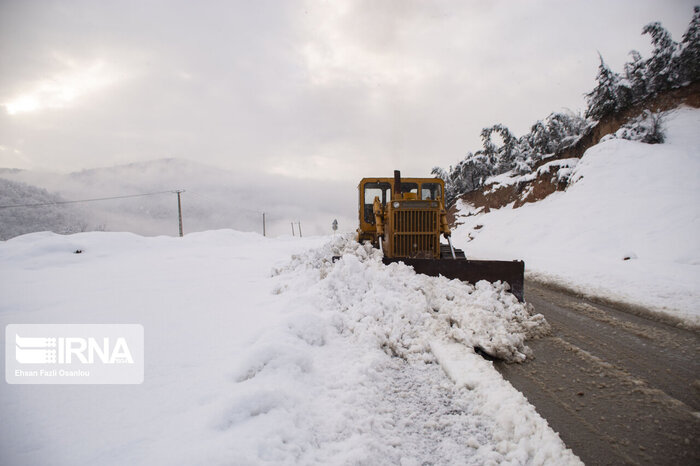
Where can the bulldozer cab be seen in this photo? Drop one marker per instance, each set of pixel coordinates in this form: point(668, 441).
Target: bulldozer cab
point(383, 188)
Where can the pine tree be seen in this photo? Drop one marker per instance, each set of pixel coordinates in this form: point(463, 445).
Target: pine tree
point(556, 133)
point(501, 158)
point(689, 58)
point(490, 150)
point(439, 173)
point(608, 96)
point(663, 67)
point(635, 73)
point(538, 138)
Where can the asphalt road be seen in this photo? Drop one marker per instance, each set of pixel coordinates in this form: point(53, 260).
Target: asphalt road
point(619, 389)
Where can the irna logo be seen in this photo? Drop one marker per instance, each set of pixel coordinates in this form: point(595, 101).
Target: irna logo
point(74, 354)
point(67, 350)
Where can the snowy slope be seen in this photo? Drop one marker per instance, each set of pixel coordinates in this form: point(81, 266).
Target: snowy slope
point(254, 356)
point(628, 200)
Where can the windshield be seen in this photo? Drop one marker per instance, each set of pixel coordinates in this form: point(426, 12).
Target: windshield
point(372, 190)
point(431, 191)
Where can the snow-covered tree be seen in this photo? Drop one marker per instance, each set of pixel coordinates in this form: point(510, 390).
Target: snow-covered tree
point(556, 133)
point(662, 68)
point(439, 172)
point(54, 217)
point(636, 76)
point(689, 57)
point(468, 175)
point(608, 96)
point(500, 157)
point(517, 155)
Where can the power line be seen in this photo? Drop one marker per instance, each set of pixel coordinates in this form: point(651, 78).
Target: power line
point(178, 191)
point(85, 200)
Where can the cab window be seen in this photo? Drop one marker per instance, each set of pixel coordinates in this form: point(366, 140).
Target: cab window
point(409, 188)
point(431, 191)
point(372, 190)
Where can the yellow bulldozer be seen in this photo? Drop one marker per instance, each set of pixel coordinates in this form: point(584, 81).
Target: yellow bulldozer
point(405, 219)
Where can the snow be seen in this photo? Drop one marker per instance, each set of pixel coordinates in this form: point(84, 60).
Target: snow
point(627, 200)
point(564, 166)
point(266, 351)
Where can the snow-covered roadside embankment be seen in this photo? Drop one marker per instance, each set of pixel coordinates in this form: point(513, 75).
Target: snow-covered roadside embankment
point(626, 228)
point(376, 385)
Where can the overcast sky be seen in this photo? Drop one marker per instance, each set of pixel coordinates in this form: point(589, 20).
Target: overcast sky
point(325, 90)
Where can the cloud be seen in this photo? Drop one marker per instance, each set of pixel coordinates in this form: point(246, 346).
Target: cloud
point(363, 43)
point(63, 88)
point(304, 89)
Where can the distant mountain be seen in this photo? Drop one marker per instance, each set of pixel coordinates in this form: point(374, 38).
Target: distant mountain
point(214, 198)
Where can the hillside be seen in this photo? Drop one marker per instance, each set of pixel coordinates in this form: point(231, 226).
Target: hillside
point(624, 227)
point(551, 174)
point(18, 221)
point(629, 105)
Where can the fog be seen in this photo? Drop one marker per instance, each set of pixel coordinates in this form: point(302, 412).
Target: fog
point(213, 198)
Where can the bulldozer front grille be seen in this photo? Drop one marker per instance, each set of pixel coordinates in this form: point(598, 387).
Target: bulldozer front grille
point(415, 233)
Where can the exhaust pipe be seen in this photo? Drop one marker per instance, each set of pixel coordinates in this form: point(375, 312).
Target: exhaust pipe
point(397, 182)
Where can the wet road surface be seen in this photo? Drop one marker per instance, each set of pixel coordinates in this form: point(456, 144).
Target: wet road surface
point(619, 388)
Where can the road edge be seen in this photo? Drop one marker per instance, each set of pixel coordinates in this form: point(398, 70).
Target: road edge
point(618, 304)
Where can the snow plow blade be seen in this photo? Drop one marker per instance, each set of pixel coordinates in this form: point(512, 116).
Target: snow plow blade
point(512, 272)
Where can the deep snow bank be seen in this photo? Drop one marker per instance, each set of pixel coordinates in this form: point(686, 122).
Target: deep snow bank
point(321, 363)
point(401, 311)
point(383, 330)
point(626, 228)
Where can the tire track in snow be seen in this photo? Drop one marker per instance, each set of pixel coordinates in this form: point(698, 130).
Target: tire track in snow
point(429, 421)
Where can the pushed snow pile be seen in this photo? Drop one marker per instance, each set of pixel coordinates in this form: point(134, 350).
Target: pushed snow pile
point(370, 347)
point(627, 227)
point(321, 363)
point(400, 311)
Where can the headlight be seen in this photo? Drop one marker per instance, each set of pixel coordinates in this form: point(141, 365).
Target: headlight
point(396, 204)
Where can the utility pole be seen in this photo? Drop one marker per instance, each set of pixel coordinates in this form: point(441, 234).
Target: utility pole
point(292, 228)
point(179, 208)
point(263, 223)
point(299, 223)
